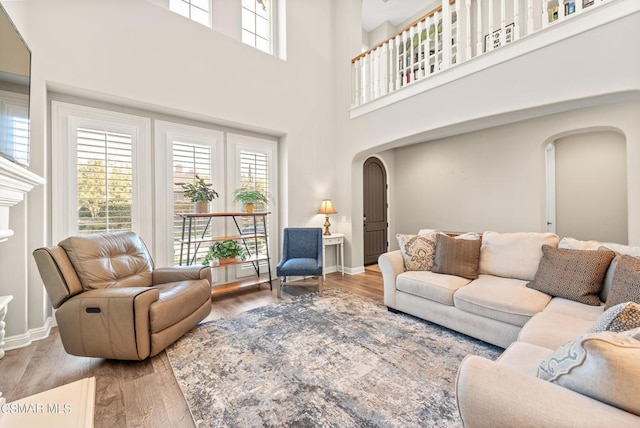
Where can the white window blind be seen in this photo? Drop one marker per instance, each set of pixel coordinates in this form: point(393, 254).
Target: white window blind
point(104, 181)
point(189, 160)
point(196, 10)
point(256, 24)
point(15, 126)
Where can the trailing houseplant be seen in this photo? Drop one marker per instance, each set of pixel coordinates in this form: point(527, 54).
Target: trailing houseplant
point(249, 197)
point(200, 192)
point(225, 251)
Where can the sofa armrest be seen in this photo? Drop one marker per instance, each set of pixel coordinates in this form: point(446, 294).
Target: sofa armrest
point(108, 323)
point(492, 395)
point(180, 273)
point(391, 265)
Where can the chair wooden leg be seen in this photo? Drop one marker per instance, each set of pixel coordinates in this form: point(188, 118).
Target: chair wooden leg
point(279, 288)
point(320, 284)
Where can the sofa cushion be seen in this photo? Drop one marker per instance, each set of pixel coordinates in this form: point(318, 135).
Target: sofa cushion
point(417, 250)
point(559, 305)
point(621, 317)
point(623, 249)
point(553, 330)
point(513, 255)
point(604, 366)
point(118, 259)
point(502, 299)
point(625, 286)
point(458, 257)
point(524, 357)
point(574, 274)
point(430, 285)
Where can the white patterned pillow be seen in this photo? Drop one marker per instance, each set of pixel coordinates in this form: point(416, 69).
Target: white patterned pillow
point(418, 251)
point(621, 317)
point(575, 244)
point(604, 366)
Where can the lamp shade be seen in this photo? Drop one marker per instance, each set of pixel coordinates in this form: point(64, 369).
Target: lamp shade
point(327, 207)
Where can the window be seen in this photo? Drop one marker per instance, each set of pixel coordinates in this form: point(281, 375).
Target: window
point(101, 175)
point(188, 161)
point(196, 10)
point(256, 24)
point(15, 127)
point(104, 181)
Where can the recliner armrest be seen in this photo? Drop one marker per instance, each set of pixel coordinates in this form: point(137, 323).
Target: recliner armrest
point(108, 323)
point(493, 395)
point(180, 273)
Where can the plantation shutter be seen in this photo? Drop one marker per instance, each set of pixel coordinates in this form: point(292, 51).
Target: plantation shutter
point(254, 174)
point(189, 160)
point(105, 181)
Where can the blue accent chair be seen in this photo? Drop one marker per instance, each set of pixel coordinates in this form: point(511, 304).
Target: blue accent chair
point(301, 255)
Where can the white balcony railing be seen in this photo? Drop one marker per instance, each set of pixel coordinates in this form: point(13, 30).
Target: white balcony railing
point(451, 34)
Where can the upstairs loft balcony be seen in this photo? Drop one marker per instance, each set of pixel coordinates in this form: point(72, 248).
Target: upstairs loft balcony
point(462, 37)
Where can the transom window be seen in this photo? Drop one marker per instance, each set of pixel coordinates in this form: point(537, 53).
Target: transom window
point(256, 24)
point(196, 10)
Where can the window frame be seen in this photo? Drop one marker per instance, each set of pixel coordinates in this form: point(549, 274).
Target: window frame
point(191, 5)
point(271, 24)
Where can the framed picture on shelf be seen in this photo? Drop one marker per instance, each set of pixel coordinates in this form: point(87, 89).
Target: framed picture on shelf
point(494, 40)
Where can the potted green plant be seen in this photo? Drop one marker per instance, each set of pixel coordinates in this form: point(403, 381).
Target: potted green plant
point(226, 252)
point(201, 193)
point(249, 197)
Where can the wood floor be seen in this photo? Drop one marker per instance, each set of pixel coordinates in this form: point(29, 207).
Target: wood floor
point(145, 393)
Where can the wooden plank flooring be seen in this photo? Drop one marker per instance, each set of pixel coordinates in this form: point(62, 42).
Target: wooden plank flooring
point(142, 393)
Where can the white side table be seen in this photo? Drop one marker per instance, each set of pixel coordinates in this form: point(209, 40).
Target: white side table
point(338, 240)
point(4, 305)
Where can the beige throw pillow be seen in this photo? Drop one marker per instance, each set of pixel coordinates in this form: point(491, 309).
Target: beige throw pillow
point(417, 250)
point(459, 257)
point(513, 255)
point(625, 286)
point(573, 274)
point(603, 366)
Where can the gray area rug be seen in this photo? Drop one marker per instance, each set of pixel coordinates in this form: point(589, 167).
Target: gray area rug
point(336, 361)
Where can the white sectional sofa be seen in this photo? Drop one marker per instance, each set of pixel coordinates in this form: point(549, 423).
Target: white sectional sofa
point(498, 307)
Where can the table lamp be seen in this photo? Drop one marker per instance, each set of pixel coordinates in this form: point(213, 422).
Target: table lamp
point(327, 208)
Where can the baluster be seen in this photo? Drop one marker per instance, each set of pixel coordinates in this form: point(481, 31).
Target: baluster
point(430, 41)
point(384, 69)
point(412, 54)
point(375, 75)
point(405, 57)
point(370, 76)
point(365, 79)
point(398, 61)
point(503, 23)
point(516, 20)
point(420, 62)
point(479, 37)
point(438, 42)
point(393, 60)
point(446, 35)
point(578, 6)
point(530, 17)
point(455, 47)
point(468, 52)
point(355, 82)
point(545, 13)
point(490, 23)
point(561, 14)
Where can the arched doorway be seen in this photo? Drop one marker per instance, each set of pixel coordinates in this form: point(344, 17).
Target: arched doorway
point(374, 210)
point(587, 186)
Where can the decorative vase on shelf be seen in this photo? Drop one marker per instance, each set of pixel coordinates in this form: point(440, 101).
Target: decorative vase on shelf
point(249, 207)
point(202, 207)
point(227, 260)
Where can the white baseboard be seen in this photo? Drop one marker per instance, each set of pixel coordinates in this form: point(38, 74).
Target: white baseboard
point(26, 339)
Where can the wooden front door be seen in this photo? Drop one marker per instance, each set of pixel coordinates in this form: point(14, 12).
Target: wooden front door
point(375, 210)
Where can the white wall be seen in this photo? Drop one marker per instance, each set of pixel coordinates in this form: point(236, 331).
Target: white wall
point(137, 54)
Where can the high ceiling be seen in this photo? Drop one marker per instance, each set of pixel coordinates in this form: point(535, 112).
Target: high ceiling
point(375, 12)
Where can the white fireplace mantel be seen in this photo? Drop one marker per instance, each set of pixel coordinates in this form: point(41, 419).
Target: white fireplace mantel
point(15, 182)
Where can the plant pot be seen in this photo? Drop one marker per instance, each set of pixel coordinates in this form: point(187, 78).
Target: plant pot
point(250, 207)
point(227, 260)
point(202, 207)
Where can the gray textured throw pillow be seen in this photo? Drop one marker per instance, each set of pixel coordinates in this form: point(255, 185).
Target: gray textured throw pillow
point(459, 257)
point(621, 317)
point(625, 286)
point(573, 274)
